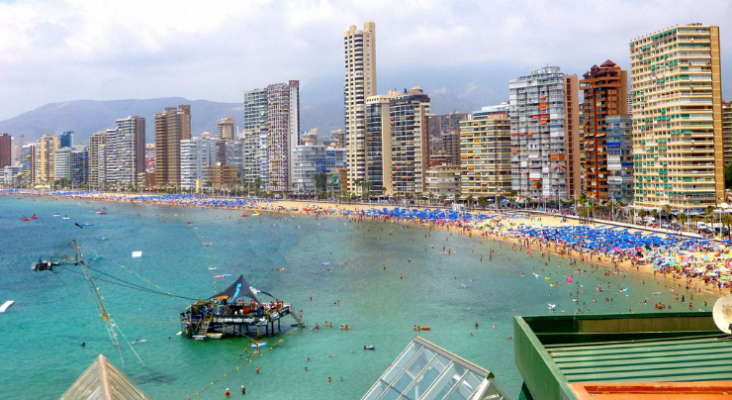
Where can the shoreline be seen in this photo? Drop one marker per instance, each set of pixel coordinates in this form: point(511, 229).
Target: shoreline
point(616, 266)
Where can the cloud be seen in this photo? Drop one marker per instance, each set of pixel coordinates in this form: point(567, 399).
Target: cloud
point(56, 50)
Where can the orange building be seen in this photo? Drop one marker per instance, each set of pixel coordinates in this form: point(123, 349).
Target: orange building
point(605, 91)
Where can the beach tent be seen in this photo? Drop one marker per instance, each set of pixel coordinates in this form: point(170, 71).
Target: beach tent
point(240, 288)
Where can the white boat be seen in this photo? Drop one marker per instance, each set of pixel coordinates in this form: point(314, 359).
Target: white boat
point(7, 305)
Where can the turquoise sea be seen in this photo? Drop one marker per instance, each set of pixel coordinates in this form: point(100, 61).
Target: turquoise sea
point(42, 333)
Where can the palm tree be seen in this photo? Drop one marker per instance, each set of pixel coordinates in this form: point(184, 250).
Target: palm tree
point(727, 221)
point(470, 200)
point(482, 201)
point(683, 218)
point(667, 212)
point(443, 197)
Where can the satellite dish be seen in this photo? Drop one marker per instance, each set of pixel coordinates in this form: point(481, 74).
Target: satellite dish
point(722, 313)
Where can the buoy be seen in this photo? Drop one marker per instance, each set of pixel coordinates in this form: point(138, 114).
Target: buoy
point(228, 392)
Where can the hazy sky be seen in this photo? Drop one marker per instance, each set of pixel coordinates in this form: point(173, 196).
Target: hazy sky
point(60, 50)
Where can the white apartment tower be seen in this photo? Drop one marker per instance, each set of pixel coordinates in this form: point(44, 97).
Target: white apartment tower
point(283, 133)
point(255, 127)
point(360, 83)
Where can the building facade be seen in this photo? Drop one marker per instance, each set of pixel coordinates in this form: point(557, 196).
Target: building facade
point(6, 150)
point(377, 142)
point(97, 160)
point(619, 129)
point(11, 175)
point(283, 133)
point(677, 118)
point(80, 165)
point(45, 150)
point(338, 138)
point(28, 164)
point(410, 141)
point(360, 82)
point(727, 132)
point(197, 155)
point(545, 146)
point(171, 126)
point(62, 164)
point(605, 90)
point(234, 155)
point(255, 127)
point(311, 160)
point(443, 180)
point(132, 129)
point(225, 128)
point(485, 152)
point(150, 158)
point(66, 139)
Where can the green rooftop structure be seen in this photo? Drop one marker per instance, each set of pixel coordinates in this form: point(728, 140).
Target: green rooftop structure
point(556, 355)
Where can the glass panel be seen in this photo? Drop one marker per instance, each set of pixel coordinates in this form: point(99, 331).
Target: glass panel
point(402, 362)
point(466, 387)
point(413, 369)
point(377, 391)
point(446, 382)
point(391, 395)
point(423, 382)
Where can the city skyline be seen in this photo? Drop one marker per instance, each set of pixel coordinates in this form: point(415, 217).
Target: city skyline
point(93, 69)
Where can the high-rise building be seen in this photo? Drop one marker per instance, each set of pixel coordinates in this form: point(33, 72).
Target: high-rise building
point(485, 152)
point(121, 149)
point(545, 144)
point(97, 160)
point(255, 127)
point(377, 142)
point(310, 137)
point(18, 150)
point(338, 138)
point(443, 180)
point(234, 155)
point(171, 126)
point(310, 160)
point(226, 128)
point(630, 103)
point(45, 150)
point(677, 118)
point(66, 139)
point(221, 176)
point(619, 129)
point(360, 83)
point(196, 155)
point(132, 130)
point(11, 175)
point(727, 131)
point(410, 141)
point(150, 158)
point(605, 90)
point(80, 165)
point(28, 164)
point(62, 164)
point(283, 133)
point(6, 146)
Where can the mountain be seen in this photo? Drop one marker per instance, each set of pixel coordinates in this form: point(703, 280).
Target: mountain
point(85, 117)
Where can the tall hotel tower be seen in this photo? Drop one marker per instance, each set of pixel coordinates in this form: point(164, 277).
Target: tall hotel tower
point(677, 118)
point(360, 83)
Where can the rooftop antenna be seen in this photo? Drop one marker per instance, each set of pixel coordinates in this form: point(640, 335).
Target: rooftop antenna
point(722, 314)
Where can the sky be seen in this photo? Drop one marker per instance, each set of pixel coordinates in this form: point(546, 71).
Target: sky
point(59, 50)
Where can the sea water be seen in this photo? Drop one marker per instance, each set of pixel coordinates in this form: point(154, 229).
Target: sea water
point(41, 335)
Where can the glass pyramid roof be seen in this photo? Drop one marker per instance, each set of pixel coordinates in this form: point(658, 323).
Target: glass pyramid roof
point(425, 371)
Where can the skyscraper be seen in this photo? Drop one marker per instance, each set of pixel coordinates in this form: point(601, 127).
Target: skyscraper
point(196, 154)
point(62, 164)
point(377, 142)
point(410, 141)
point(485, 149)
point(605, 91)
point(97, 160)
point(45, 150)
point(66, 139)
point(360, 83)
point(226, 128)
point(171, 126)
point(6, 145)
point(727, 131)
point(19, 143)
point(28, 164)
point(545, 144)
point(619, 129)
point(283, 133)
point(255, 127)
point(80, 165)
point(133, 130)
point(677, 118)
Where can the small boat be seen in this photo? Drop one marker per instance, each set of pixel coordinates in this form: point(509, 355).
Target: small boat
point(34, 216)
point(326, 263)
point(6, 305)
point(136, 254)
point(214, 335)
point(222, 276)
point(425, 328)
point(256, 213)
point(25, 219)
point(139, 341)
point(56, 215)
point(207, 244)
point(547, 278)
point(369, 347)
point(66, 217)
point(255, 345)
point(244, 215)
point(657, 293)
point(211, 268)
point(87, 223)
point(102, 211)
